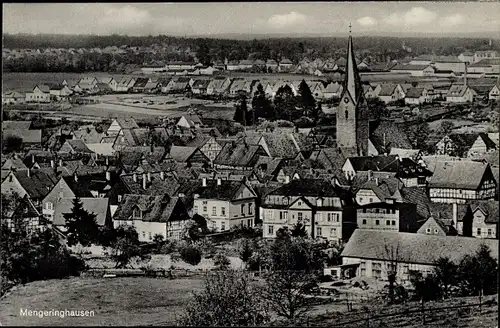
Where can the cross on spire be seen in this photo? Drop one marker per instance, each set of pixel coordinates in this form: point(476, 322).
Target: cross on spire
point(350, 28)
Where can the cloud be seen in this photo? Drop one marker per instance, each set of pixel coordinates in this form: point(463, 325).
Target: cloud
point(415, 16)
point(126, 15)
point(286, 20)
point(452, 20)
point(367, 21)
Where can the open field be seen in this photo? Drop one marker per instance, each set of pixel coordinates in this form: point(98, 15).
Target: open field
point(118, 301)
point(158, 301)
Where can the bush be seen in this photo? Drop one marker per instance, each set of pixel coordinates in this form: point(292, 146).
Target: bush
point(168, 247)
point(191, 255)
point(325, 278)
point(221, 261)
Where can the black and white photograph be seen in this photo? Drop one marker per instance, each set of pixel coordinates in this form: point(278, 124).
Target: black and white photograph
point(250, 164)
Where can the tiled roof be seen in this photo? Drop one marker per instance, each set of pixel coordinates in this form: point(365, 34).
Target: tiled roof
point(38, 184)
point(78, 146)
point(154, 208)
point(16, 125)
point(387, 89)
point(182, 154)
point(28, 136)
point(227, 190)
point(97, 206)
point(412, 247)
point(417, 196)
point(489, 208)
point(169, 185)
point(414, 93)
point(307, 187)
point(127, 123)
point(457, 90)
point(458, 174)
point(238, 154)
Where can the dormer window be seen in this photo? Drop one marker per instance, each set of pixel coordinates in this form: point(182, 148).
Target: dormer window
point(285, 201)
point(319, 202)
point(137, 213)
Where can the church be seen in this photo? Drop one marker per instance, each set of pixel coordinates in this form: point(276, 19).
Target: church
point(358, 133)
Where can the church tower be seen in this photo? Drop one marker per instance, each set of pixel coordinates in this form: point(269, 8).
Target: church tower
point(352, 112)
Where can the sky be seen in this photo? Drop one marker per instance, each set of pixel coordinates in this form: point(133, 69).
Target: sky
point(368, 18)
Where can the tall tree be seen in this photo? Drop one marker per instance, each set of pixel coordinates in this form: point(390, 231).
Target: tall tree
point(418, 134)
point(306, 99)
point(82, 226)
point(285, 103)
point(445, 272)
point(126, 247)
point(261, 106)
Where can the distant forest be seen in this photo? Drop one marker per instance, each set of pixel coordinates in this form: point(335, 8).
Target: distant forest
point(286, 46)
point(144, 50)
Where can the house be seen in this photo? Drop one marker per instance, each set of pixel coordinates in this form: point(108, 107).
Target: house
point(233, 65)
point(199, 87)
point(125, 84)
point(388, 216)
point(485, 67)
point(376, 188)
point(465, 145)
point(218, 85)
point(281, 144)
point(245, 64)
point(417, 96)
point(422, 60)
point(13, 97)
point(178, 85)
point(25, 210)
point(235, 155)
point(151, 86)
point(36, 184)
point(40, 94)
point(487, 54)
point(238, 86)
point(460, 93)
point(368, 91)
point(140, 84)
point(271, 66)
point(208, 145)
point(285, 65)
point(75, 146)
point(461, 181)
point(414, 70)
point(189, 121)
point(389, 92)
point(150, 69)
point(438, 226)
point(120, 124)
point(97, 206)
point(450, 63)
point(87, 84)
point(321, 207)
point(225, 204)
point(317, 90)
point(60, 91)
point(481, 219)
point(188, 155)
point(152, 215)
point(110, 81)
point(494, 93)
point(372, 253)
point(466, 57)
point(332, 90)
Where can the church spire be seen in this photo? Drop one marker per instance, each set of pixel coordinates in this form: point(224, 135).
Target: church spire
point(352, 82)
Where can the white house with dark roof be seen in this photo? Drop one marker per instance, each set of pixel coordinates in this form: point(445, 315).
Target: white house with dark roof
point(40, 94)
point(494, 93)
point(461, 181)
point(460, 93)
point(371, 253)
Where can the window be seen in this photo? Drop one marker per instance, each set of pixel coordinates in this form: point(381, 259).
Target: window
point(388, 222)
point(489, 232)
point(49, 206)
point(337, 217)
point(242, 209)
point(196, 208)
point(346, 114)
point(150, 237)
point(377, 270)
point(319, 202)
point(318, 231)
point(223, 225)
point(250, 209)
point(270, 230)
point(299, 216)
point(362, 267)
point(360, 199)
point(214, 210)
point(223, 211)
point(329, 218)
point(364, 221)
point(377, 222)
point(144, 234)
point(119, 198)
point(393, 222)
point(428, 230)
point(376, 210)
point(333, 232)
point(61, 194)
point(421, 180)
point(204, 209)
point(436, 231)
point(371, 200)
point(479, 231)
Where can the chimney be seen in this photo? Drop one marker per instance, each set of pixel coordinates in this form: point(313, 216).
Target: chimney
point(203, 182)
point(455, 215)
point(107, 161)
point(76, 177)
point(219, 181)
point(376, 181)
point(162, 175)
point(135, 177)
point(29, 173)
point(149, 176)
point(32, 159)
point(287, 179)
point(370, 174)
point(144, 182)
point(108, 176)
point(465, 74)
point(60, 162)
point(52, 163)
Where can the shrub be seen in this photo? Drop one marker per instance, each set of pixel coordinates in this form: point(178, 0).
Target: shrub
point(221, 261)
point(191, 255)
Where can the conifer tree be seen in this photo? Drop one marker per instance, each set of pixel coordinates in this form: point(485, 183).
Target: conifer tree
point(82, 226)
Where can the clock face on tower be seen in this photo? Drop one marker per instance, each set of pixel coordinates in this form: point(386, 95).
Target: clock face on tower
point(346, 100)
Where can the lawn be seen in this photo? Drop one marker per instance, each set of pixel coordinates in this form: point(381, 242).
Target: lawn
point(117, 301)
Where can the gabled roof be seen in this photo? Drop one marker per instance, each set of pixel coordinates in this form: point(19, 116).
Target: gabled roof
point(417, 196)
point(127, 123)
point(43, 87)
point(97, 206)
point(488, 207)
point(414, 93)
point(37, 184)
point(141, 82)
point(308, 187)
point(412, 247)
point(387, 89)
point(238, 154)
point(28, 136)
point(78, 146)
point(182, 154)
point(200, 84)
point(458, 174)
point(169, 185)
point(457, 90)
point(333, 87)
point(374, 163)
point(153, 208)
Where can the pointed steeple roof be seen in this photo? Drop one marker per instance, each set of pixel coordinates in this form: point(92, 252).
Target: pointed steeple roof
point(352, 82)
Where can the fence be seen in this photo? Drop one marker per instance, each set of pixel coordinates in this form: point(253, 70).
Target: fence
point(427, 315)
